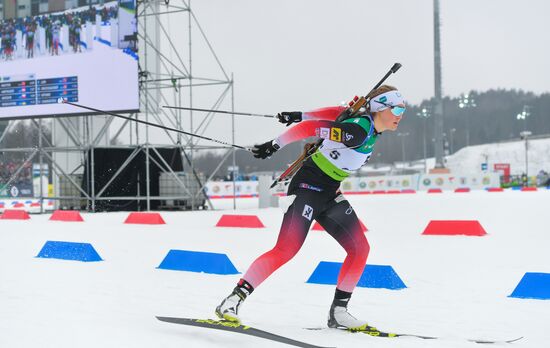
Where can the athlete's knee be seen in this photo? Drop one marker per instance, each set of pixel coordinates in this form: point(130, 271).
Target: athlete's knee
point(364, 249)
point(360, 249)
point(286, 252)
point(283, 252)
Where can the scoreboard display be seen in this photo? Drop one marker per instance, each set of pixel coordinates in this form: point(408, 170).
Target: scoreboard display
point(30, 91)
point(50, 90)
point(86, 55)
point(18, 93)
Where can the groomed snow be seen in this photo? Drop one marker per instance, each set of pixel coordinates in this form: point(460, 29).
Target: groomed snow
point(458, 286)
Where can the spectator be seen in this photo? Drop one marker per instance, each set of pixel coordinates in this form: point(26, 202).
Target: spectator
point(524, 180)
point(29, 44)
point(542, 178)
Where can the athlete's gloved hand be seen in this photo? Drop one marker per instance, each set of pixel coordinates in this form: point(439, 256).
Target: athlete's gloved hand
point(289, 117)
point(265, 150)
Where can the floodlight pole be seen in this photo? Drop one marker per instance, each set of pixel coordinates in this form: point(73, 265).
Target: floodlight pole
point(438, 107)
point(525, 135)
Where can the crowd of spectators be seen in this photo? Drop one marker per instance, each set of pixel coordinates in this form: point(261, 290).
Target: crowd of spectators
point(542, 179)
point(7, 169)
point(52, 24)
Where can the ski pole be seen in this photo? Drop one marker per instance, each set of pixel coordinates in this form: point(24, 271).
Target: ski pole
point(65, 101)
point(219, 111)
point(355, 105)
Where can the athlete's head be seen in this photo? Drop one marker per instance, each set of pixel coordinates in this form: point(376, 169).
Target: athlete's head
point(387, 107)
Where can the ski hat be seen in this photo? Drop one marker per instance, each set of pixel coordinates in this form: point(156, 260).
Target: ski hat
point(390, 98)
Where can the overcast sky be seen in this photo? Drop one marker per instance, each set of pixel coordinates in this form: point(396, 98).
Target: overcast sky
point(298, 54)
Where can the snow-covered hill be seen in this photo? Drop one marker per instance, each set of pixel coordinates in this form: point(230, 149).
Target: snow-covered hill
point(469, 159)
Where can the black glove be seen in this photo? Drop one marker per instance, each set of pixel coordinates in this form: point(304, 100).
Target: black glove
point(289, 117)
point(265, 150)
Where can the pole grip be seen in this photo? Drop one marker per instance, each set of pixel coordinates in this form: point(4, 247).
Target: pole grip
point(395, 67)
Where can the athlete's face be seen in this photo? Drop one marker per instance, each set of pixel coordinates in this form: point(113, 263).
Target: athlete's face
point(387, 120)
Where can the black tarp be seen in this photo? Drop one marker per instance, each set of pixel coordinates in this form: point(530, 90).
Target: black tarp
point(131, 182)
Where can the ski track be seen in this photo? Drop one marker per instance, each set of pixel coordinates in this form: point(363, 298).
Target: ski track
point(458, 286)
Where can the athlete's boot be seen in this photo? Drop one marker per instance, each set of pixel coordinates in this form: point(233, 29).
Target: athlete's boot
point(339, 317)
point(229, 308)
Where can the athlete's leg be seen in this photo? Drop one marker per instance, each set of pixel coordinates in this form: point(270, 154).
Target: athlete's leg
point(341, 222)
point(294, 229)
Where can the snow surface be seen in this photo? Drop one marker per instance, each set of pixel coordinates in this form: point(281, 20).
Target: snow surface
point(458, 286)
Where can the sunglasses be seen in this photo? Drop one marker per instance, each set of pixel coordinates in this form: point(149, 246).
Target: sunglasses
point(395, 109)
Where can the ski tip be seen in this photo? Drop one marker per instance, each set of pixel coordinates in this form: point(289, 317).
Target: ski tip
point(496, 341)
point(168, 319)
point(514, 340)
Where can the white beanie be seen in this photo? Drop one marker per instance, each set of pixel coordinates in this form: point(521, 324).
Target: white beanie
point(390, 98)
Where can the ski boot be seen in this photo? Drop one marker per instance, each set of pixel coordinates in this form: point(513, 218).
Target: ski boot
point(229, 308)
point(339, 317)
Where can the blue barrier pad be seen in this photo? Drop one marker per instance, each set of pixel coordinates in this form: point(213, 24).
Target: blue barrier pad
point(374, 276)
point(533, 285)
point(69, 251)
point(197, 261)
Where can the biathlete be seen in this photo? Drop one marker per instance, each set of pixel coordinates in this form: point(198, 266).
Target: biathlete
point(314, 192)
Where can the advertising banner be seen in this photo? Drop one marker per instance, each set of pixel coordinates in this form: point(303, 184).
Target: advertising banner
point(416, 182)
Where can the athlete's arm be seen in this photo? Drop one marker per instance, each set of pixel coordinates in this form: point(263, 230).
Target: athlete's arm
point(329, 113)
point(349, 134)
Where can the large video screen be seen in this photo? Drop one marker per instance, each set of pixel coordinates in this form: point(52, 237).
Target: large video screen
point(87, 55)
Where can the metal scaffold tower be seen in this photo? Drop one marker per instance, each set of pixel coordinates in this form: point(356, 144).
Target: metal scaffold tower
point(169, 39)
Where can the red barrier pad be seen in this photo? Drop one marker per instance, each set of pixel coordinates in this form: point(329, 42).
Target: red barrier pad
point(435, 191)
point(495, 189)
point(379, 192)
point(35, 204)
point(528, 188)
point(249, 221)
point(393, 191)
point(19, 205)
point(145, 218)
point(318, 227)
point(408, 191)
point(454, 227)
point(66, 215)
point(462, 189)
point(11, 214)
